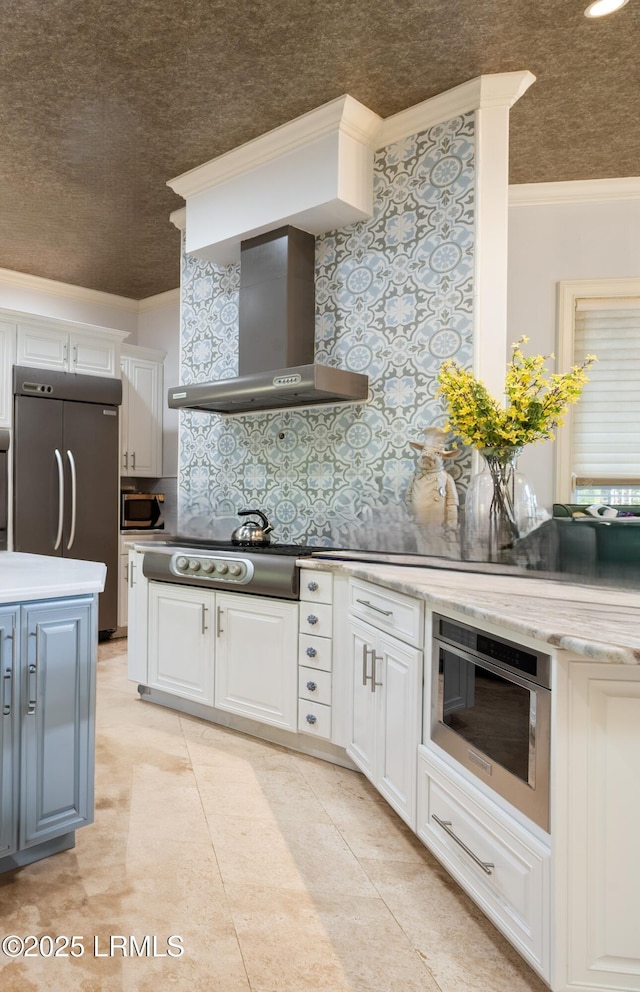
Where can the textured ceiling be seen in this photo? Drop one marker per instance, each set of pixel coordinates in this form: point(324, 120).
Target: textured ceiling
point(103, 101)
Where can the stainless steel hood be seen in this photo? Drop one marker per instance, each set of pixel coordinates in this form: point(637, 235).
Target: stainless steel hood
point(276, 336)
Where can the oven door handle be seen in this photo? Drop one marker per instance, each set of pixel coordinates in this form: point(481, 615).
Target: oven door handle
point(487, 866)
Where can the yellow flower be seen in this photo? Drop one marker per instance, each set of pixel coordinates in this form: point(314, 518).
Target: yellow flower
point(535, 403)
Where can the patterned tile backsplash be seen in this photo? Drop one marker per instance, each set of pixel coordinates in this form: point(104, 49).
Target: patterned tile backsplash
point(394, 297)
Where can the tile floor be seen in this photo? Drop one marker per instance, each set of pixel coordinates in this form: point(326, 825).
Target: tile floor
point(279, 872)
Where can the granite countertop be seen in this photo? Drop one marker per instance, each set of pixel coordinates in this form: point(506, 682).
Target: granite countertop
point(24, 578)
point(601, 624)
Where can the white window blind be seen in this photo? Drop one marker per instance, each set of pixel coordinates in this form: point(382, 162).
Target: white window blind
point(605, 443)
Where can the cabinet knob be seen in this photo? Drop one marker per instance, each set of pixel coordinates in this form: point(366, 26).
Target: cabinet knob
point(312, 619)
point(311, 718)
point(312, 586)
point(311, 686)
point(311, 652)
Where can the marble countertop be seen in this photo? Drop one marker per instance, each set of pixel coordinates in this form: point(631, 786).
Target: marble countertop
point(601, 624)
point(24, 577)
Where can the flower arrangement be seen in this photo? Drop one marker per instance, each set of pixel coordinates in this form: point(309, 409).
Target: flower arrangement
point(536, 402)
point(499, 508)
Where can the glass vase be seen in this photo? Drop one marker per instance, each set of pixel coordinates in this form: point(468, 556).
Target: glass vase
point(500, 506)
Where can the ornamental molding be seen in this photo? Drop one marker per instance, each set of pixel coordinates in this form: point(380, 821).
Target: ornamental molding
point(500, 89)
point(344, 115)
point(574, 191)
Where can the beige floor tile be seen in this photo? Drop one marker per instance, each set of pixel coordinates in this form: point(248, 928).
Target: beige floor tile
point(440, 920)
point(373, 830)
point(335, 785)
point(295, 942)
point(305, 857)
point(258, 793)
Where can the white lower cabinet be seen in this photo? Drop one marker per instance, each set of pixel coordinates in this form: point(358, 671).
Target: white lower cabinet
point(256, 658)
point(181, 641)
point(386, 714)
point(502, 866)
point(138, 619)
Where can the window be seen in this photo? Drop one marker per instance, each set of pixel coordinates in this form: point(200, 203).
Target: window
point(599, 448)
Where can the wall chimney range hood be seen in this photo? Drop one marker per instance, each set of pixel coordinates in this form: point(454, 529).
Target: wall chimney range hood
point(276, 336)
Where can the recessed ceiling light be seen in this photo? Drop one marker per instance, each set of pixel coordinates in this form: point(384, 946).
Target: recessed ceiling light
point(602, 7)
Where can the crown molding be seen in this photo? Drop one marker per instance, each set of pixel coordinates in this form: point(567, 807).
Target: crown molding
point(37, 284)
point(575, 191)
point(80, 294)
point(500, 89)
point(159, 300)
point(345, 115)
point(179, 218)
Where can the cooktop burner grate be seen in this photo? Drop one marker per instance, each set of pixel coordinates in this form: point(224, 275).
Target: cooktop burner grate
point(203, 545)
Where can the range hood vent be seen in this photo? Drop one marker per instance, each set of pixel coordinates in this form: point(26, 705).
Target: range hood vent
point(276, 336)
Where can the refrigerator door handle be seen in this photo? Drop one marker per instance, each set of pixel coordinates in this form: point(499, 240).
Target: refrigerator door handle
point(60, 499)
point(74, 491)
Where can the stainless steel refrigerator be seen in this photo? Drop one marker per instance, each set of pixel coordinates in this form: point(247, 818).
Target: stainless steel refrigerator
point(65, 471)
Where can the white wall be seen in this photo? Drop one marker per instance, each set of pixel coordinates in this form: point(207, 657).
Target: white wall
point(549, 243)
point(159, 327)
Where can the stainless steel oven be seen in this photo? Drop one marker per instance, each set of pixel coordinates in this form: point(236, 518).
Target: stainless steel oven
point(491, 711)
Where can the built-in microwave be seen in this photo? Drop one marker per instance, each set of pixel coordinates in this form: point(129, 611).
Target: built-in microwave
point(491, 712)
point(141, 511)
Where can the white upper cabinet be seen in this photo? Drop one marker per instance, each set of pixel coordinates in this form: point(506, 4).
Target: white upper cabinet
point(84, 350)
point(7, 358)
point(141, 414)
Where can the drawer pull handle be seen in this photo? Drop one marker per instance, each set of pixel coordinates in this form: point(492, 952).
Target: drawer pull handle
point(312, 686)
point(486, 866)
point(311, 718)
point(365, 602)
point(311, 652)
point(312, 586)
point(312, 619)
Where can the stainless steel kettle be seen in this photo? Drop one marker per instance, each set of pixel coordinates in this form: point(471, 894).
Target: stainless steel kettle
point(252, 533)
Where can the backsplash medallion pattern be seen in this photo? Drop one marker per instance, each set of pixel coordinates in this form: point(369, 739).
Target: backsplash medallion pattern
point(393, 300)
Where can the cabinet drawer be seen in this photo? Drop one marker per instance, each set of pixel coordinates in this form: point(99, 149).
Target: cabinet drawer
point(385, 609)
point(315, 652)
point(314, 718)
point(314, 685)
point(316, 587)
point(512, 888)
point(315, 618)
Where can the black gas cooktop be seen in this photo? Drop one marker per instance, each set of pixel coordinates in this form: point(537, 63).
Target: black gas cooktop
point(203, 544)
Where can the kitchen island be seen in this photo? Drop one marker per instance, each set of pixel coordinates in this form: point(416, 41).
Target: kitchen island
point(48, 646)
point(555, 866)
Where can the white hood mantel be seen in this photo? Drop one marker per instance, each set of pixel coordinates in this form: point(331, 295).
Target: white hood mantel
point(316, 173)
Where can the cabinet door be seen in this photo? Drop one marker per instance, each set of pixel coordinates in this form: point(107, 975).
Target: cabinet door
point(361, 749)
point(92, 354)
point(138, 620)
point(398, 675)
point(181, 641)
point(7, 359)
point(8, 731)
point(58, 706)
point(43, 347)
point(123, 590)
point(257, 658)
point(143, 447)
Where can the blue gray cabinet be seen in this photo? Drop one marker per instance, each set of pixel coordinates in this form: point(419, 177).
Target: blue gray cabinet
point(9, 633)
point(48, 735)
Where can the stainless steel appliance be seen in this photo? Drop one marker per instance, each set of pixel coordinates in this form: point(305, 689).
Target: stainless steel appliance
point(141, 511)
point(491, 705)
point(269, 570)
point(65, 465)
point(5, 441)
point(276, 367)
